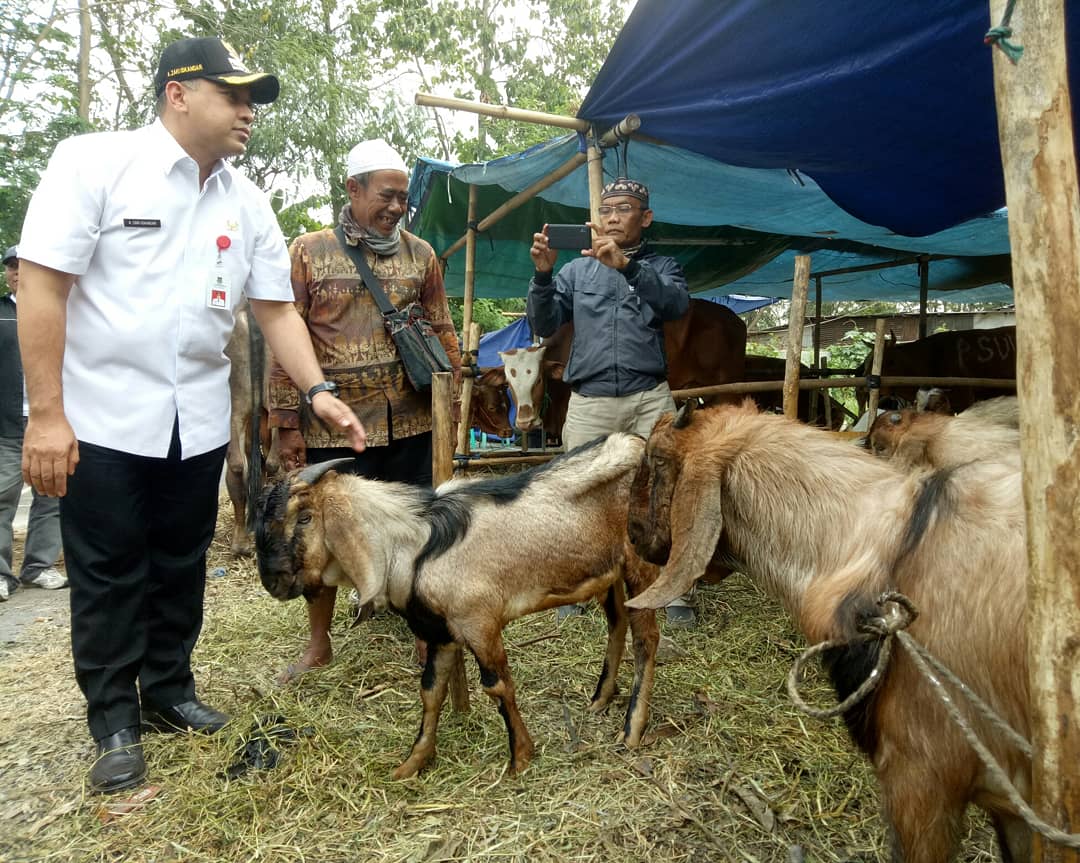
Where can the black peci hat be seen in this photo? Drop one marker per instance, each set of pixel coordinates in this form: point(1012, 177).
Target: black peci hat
point(216, 60)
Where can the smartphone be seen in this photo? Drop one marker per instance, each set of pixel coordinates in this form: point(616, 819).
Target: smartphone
point(569, 237)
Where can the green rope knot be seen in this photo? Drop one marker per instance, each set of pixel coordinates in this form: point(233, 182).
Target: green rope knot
point(1000, 36)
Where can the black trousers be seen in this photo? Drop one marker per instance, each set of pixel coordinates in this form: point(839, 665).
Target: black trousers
point(406, 460)
point(135, 532)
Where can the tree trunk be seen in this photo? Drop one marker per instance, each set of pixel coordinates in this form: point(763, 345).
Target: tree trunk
point(85, 34)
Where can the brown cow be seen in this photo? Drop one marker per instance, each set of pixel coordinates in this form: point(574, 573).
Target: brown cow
point(705, 346)
point(961, 354)
point(760, 368)
point(246, 351)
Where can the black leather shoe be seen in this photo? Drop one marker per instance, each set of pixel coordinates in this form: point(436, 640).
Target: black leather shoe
point(187, 715)
point(119, 762)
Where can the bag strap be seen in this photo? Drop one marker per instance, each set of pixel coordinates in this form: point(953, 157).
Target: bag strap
point(357, 257)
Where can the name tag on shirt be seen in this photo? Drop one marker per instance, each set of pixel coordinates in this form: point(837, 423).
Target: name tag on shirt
point(142, 223)
point(219, 288)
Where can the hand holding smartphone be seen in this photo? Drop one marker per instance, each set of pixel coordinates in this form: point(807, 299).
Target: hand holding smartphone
point(577, 237)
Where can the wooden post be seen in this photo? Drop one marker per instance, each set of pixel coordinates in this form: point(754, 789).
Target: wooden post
point(1037, 149)
point(472, 343)
point(875, 369)
point(796, 316)
point(442, 469)
point(924, 292)
point(815, 395)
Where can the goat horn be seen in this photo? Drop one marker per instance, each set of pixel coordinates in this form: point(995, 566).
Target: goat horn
point(314, 472)
point(682, 418)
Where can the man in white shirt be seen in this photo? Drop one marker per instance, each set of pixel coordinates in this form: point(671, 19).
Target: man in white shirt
point(136, 249)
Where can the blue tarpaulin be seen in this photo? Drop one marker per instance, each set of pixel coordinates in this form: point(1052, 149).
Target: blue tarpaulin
point(735, 230)
point(888, 106)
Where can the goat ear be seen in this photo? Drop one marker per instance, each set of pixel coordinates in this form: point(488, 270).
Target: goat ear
point(352, 549)
point(697, 520)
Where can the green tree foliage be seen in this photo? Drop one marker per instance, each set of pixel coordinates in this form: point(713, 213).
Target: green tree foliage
point(348, 70)
point(38, 104)
point(487, 313)
point(538, 55)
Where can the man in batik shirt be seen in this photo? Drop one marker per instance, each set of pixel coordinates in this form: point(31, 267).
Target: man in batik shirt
point(355, 350)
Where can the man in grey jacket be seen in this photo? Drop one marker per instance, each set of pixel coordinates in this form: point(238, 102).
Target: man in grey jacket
point(43, 524)
point(618, 294)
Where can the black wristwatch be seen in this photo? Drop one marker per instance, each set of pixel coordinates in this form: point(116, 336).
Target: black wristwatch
point(324, 387)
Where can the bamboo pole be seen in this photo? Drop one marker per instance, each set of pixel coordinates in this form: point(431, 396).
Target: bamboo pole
point(596, 180)
point(1038, 154)
point(470, 263)
point(621, 130)
point(738, 387)
point(472, 343)
point(796, 317)
point(442, 469)
point(568, 167)
point(875, 369)
point(503, 112)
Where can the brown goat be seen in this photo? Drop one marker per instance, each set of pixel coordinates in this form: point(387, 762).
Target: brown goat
point(826, 529)
point(461, 562)
point(915, 439)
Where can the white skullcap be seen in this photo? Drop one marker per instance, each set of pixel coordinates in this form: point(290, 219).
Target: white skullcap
point(376, 155)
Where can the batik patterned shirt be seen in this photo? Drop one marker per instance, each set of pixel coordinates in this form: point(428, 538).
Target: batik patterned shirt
point(351, 343)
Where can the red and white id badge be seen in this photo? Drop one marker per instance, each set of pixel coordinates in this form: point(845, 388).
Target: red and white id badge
point(219, 288)
point(219, 285)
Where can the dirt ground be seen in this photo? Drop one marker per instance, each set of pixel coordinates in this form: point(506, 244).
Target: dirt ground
point(32, 607)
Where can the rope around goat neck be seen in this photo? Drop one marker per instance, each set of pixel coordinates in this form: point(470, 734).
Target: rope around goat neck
point(890, 626)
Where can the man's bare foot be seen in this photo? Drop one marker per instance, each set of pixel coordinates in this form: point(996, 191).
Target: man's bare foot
point(295, 670)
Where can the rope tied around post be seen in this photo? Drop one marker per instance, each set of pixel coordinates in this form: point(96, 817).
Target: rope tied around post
point(999, 36)
point(889, 627)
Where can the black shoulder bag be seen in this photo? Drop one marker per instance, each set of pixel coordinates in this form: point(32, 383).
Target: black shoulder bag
point(419, 348)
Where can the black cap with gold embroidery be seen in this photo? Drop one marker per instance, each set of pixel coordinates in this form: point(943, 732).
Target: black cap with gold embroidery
point(216, 60)
point(630, 188)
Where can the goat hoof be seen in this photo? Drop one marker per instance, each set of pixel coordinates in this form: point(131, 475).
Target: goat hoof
point(405, 770)
point(600, 705)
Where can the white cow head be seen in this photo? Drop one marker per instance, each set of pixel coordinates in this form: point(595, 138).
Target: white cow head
point(524, 376)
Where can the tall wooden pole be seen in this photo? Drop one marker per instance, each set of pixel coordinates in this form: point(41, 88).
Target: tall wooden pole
point(924, 294)
point(1038, 156)
point(796, 316)
point(596, 178)
point(442, 469)
point(470, 267)
point(875, 369)
point(472, 343)
point(814, 395)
